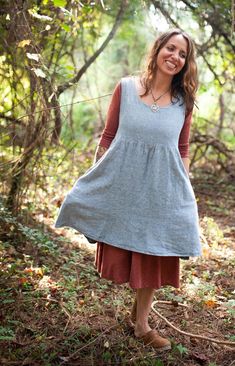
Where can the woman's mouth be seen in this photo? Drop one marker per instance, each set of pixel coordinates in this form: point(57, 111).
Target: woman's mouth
point(170, 65)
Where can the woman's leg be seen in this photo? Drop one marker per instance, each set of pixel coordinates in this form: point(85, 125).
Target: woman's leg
point(144, 299)
point(142, 329)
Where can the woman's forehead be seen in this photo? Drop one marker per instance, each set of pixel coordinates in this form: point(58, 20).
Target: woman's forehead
point(179, 41)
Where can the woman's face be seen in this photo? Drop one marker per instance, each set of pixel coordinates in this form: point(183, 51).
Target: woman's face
point(172, 56)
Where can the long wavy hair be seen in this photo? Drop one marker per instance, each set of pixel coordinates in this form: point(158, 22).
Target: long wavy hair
point(185, 82)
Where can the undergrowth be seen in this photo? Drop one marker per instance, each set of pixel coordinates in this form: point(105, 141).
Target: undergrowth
point(55, 310)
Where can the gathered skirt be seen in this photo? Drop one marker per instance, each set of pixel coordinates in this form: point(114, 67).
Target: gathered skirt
point(138, 269)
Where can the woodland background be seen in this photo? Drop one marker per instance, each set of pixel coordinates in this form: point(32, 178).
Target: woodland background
point(59, 63)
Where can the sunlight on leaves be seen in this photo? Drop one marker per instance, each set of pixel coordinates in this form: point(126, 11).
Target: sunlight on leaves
point(199, 290)
point(66, 27)
point(39, 72)
point(61, 3)
point(47, 282)
point(211, 230)
point(33, 56)
point(34, 270)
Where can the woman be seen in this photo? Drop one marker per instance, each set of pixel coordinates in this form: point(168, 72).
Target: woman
point(137, 201)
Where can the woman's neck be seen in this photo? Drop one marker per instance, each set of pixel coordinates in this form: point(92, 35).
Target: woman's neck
point(161, 83)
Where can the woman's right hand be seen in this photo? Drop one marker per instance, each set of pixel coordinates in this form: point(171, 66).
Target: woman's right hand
point(100, 150)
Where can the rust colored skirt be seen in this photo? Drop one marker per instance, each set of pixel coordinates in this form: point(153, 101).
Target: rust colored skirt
point(138, 269)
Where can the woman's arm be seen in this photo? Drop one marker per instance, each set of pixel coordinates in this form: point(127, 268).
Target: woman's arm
point(111, 125)
point(184, 141)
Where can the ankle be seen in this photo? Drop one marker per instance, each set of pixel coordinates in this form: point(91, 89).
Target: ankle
point(141, 329)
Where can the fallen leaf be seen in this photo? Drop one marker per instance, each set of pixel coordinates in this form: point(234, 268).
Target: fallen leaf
point(24, 43)
point(38, 271)
point(28, 270)
point(211, 303)
point(106, 344)
point(23, 280)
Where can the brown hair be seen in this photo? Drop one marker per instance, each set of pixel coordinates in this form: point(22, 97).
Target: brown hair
point(185, 82)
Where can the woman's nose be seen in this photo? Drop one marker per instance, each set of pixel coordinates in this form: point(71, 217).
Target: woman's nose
point(175, 55)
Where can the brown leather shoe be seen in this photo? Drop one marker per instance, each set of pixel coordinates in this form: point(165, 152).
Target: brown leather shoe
point(152, 338)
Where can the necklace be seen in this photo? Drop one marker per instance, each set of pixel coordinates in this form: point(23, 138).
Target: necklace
point(155, 107)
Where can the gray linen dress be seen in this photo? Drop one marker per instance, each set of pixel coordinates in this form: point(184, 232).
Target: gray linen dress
point(138, 196)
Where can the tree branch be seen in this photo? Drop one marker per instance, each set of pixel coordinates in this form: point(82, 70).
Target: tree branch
point(157, 4)
point(219, 147)
point(191, 335)
point(75, 79)
point(215, 25)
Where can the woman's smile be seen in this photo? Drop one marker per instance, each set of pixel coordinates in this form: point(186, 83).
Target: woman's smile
point(171, 65)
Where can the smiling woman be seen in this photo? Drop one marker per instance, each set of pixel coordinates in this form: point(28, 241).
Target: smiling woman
point(137, 201)
point(171, 66)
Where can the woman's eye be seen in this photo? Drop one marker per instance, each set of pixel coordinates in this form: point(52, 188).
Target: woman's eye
point(170, 48)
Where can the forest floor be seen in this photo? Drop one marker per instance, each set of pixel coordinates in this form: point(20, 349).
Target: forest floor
point(55, 310)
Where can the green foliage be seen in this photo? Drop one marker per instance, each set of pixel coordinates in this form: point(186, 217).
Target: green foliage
point(6, 334)
point(181, 349)
point(230, 305)
point(158, 363)
point(37, 237)
point(85, 119)
point(171, 296)
point(107, 356)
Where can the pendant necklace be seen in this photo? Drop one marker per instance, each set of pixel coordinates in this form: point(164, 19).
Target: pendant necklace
point(155, 107)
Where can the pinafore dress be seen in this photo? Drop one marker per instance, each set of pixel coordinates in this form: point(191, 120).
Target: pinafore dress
point(138, 196)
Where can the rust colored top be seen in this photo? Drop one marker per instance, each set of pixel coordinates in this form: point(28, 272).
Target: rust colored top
point(112, 122)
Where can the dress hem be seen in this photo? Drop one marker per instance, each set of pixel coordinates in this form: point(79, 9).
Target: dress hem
point(124, 246)
point(135, 287)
